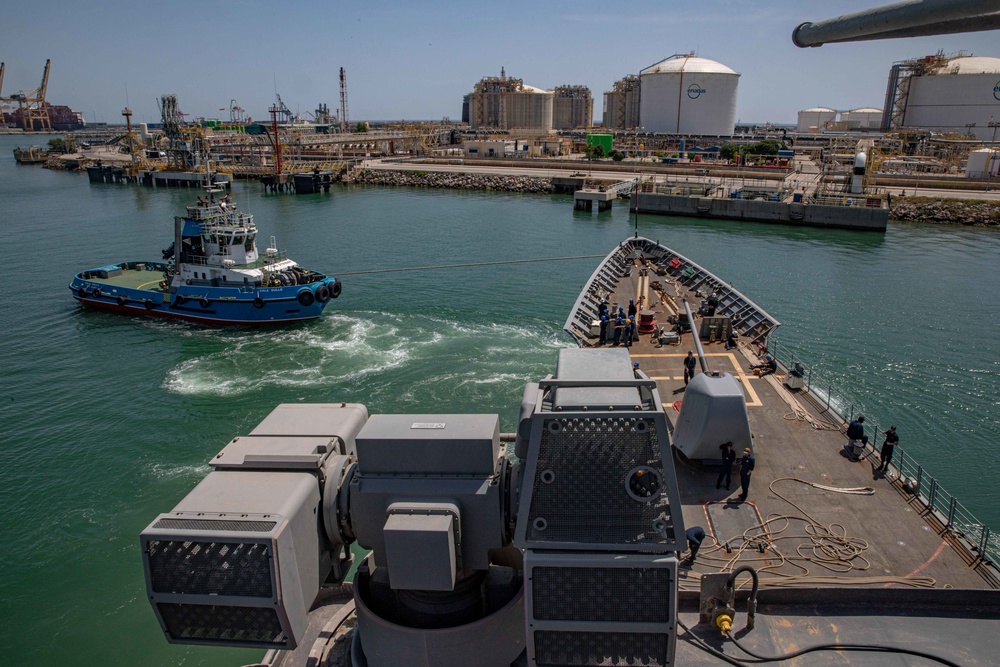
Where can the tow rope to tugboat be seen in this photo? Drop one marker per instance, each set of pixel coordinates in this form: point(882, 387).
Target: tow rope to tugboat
point(460, 266)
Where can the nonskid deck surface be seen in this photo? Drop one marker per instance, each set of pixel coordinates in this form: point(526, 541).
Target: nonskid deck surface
point(134, 279)
point(863, 530)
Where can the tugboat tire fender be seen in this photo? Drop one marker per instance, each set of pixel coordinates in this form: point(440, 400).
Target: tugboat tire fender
point(258, 302)
point(178, 299)
point(306, 297)
point(82, 292)
point(322, 294)
point(335, 289)
point(203, 302)
point(120, 300)
point(149, 304)
point(97, 293)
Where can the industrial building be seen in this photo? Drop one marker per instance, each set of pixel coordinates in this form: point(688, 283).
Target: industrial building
point(621, 104)
point(506, 103)
point(815, 119)
point(572, 108)
point(958, 94)
point(686, 94)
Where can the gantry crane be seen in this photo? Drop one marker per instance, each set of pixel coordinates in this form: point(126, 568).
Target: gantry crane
point(32, 104)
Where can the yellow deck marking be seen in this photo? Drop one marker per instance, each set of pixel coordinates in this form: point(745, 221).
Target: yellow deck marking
point(754, 400)
point(151, 282)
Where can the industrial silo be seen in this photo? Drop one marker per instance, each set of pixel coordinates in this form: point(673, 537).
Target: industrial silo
point(958, 95)
point(865, 118)
point(507, 103)
point(685, 94)
point(572, 108)
point(815, 119)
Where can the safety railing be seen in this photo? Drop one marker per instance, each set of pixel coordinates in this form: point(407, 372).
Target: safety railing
point(979, 539)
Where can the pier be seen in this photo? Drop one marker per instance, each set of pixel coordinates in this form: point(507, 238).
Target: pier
point(583, 199)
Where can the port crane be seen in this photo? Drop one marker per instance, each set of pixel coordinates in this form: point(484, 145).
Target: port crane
point(33, 106)
point(31, 103)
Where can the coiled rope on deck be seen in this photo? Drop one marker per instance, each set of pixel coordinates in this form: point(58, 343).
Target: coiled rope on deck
point(826, 546)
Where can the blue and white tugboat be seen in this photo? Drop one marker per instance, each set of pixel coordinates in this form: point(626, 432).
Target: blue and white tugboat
point(212, 274)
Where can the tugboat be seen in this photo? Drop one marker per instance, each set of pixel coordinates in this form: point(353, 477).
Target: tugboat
point(211, 275)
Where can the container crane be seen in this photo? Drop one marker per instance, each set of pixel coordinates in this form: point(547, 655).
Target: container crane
point(33, 105)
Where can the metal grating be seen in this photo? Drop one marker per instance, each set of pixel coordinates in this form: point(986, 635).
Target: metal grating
point(210, 568)
point(219, 624)
point(216, 524)
point(591, 460)
point(587, 649)
point(610, 594)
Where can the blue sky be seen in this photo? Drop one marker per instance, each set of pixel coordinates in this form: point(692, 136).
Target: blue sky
point(412, 60)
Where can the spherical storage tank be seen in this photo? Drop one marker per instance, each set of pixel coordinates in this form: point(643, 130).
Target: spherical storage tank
point(815, 119)
point(949, 98)
point(688, 95)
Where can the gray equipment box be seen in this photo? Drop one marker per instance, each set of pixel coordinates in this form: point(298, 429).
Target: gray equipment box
point(212, 563)
point(438, 460)
point(435, 445)
point(604, 364)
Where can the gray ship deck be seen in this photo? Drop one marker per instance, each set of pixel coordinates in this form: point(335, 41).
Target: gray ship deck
point(811, 536)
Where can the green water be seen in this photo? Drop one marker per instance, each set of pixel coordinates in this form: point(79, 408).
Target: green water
point(107, 420)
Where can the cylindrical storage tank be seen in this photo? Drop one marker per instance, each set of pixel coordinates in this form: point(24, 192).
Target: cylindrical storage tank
point(529, 109)
point(952, 97)
point(866, 118)
point(815, 119)
point(688, 95)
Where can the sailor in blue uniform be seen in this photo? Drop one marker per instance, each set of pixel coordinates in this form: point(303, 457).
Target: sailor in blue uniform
point(695, 536)
point(747, 464)
point(728, 459)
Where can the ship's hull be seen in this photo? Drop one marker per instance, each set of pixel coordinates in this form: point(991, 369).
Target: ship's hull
point(208, 305)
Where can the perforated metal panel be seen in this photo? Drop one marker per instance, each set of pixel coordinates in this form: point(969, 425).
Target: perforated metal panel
point(585, 649)
point(600, 608)
point(216, 524)
point(606, 594)
point(223, 624)
point(241, 569)
point(584, 488)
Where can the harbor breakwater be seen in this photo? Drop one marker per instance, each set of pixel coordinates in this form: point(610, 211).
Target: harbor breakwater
point(945, 211)
point(454, 181)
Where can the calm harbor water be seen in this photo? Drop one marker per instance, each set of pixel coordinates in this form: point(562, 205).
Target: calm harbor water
point(107, 420)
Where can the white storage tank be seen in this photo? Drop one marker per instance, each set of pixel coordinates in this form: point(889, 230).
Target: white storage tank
point(951, 97)
point(865, 118)
point(983, 163)
point(815, 119)
point(685, 94)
